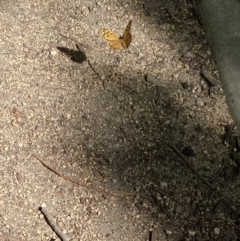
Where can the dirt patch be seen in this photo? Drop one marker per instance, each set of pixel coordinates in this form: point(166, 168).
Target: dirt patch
point(110, 125)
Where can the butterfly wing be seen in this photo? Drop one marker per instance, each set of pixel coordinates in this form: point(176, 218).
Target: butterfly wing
point(112, 38)
point(127, 37)
point(108, 35)
point(116, 44)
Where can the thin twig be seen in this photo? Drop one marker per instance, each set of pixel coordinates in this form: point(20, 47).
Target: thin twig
point(52, 223)
point(116, 193)
point(86, 46)
point(153, 235)
point(218, 173)
point(191, 167)
point(88, 61)
point(224, 199)
point(96, 73)
point(93, 69)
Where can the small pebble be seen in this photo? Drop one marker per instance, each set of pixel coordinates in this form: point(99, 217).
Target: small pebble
point(85, 10)
point(191, 233)
point(216, 231)
point(151, 79)
point(168, 232)
point(53, 52)
point(163, 185)
point(185, 85)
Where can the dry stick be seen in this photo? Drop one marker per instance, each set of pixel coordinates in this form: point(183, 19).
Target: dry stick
point(192, 168)
point(153, 235)
point(233, 209)
point(88, 61)
point(116, 193)
point(93, 69)
point(86, 46)
point(218, 173)
point(52, 223)
point(96, 73)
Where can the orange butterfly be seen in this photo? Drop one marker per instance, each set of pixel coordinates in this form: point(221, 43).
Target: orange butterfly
point(116, 42)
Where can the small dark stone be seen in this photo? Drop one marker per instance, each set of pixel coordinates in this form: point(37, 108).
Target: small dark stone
point(188, 151)
point(185, 85)
point(199, 128)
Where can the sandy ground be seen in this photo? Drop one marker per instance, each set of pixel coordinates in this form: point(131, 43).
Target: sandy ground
point(111, 127)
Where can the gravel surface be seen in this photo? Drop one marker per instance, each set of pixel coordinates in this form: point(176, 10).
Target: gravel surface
point(108, 119)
